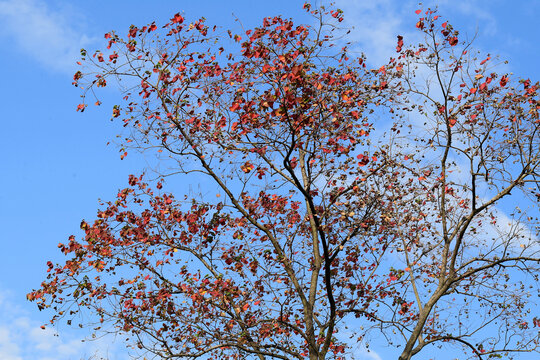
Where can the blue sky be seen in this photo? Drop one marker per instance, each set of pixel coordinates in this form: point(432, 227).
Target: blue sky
point(56, 163)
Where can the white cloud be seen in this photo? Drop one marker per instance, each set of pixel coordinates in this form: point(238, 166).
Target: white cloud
point(21, 338)
point(475, 11)
point(377, 23)
point(9, 349)
point(515, 232)
point(361, 352)
point(49, 36)
point(376, 26)
point(365, 354)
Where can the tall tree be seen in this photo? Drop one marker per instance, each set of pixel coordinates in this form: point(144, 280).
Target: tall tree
point(323, 229)
point(467, 139)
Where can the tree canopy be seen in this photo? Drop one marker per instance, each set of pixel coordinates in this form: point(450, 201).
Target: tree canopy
point(349, 202)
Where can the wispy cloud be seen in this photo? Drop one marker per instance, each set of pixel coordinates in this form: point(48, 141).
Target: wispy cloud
point(377, 23)
point(475, 10)
point(365, 354)
point(376, 26)
point(9, 350)
point(22, 338)
point(518, 234)
point(49, 36)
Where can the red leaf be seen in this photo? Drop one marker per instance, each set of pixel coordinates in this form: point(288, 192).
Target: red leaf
point(400, 43)
point(485, 60)
point(177, 19)
point(247, 167)
point(418, 12)
point(235, 106)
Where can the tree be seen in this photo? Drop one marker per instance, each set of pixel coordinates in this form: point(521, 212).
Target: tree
point(324, 229)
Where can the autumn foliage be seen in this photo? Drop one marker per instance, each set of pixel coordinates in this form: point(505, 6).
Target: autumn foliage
point(346, 202)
